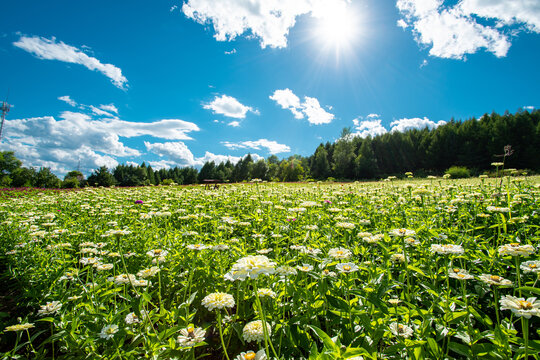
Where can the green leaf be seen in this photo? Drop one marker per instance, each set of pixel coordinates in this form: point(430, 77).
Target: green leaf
point(327, 341)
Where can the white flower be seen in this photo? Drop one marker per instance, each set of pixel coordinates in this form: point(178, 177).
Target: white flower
point(520, 306)
point(345, 225)
point(253, 331)
point(250, 355)
point(446, 249)
point(495, 280)
point(264, 251)
point(401, 330)
point(402, 232)
point(146, 273)
point(531, 266)
point(459, 274)
point(103, 267)
point(157, 253)
point(266, 292)
point(516, 249)
point(131, 318)
point(286, 271)
point(50, 308)
point(305, 267)
point(347, 267)
point(251, 266)
point(108, 332)
point(122, 279)
point(218, 300)
point(340, 253)
point(197, 247)
point(190, 336)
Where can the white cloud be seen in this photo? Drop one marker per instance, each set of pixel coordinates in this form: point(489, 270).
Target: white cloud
point(174, 7)
point(424, 63)
point(371, 125)
point(267, 20)
point(402, 125)
point(50, 49)
point(61, 144)
point(100, 112)
point(228, 106)
point(234, 123)
point(178, 152)
point(233, 51)
point(530, 108)
point(451, 32)
point(272, 146)
point(109, 107)
point(68, 100)
point(506, 12)
point(310, 107)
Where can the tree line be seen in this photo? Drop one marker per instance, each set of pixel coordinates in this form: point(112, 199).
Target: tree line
point(473, 144)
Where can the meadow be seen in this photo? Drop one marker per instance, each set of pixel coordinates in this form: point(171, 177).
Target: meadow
point(415, 269)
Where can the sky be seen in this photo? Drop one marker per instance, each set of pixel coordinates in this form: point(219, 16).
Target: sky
point(178, 83)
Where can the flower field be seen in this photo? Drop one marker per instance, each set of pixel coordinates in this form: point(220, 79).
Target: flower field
point(424, 269)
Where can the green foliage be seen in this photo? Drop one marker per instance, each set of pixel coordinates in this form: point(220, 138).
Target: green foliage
point(458, 172)
point(46, 179)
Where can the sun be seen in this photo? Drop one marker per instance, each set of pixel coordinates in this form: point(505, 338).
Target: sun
point(337, 28)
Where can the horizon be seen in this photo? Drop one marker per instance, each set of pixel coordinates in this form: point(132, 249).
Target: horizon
point(179, 83)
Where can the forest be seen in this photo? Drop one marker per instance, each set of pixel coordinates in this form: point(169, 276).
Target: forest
point(472, 145)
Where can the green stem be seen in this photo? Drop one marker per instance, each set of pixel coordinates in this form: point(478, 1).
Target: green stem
point(221, 335)
point(518, 274)
point(496, 296)
point(263, 320)
point(525, 329)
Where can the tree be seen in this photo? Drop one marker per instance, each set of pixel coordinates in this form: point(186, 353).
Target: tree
point(46, 179)
point(320, 168)
point(8, 164)
point(365, 164)
point(23, 177)
point(101, 177)
point(260, 170)
point(344, 157)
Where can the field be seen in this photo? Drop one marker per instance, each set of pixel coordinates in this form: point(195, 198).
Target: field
point(419, 269)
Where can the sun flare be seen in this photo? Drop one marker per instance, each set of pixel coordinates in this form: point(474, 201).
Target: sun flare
point(337, 28)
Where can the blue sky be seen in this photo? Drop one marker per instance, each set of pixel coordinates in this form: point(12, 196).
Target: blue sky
point(177, 83)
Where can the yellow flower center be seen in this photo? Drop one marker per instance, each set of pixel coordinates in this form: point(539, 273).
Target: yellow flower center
point(495, 278)
point(525, 305)
point(326, 271)
point(461, 275)
point(346, 268)
point(305, 268)
point(250, 355)
point(533, 266)
point(190, 329)
point(339, 252)
point(514, 244)
point(456, 270)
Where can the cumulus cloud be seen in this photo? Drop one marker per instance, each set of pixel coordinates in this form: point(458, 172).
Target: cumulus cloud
point(228, 106)
point(450, 31)
point(402, 125)
point(109, 107)
point(234, 123)
point(68, 100)
point(272, 146)
point(61, 143)
point(50, 49)
point(233, 51)
point(178, 154)
point(371, 125)
point(309, 108)
point(268, 21)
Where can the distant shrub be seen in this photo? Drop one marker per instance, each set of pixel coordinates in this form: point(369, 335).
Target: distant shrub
point(331, 179)
point(168, 182)
point(458, 172)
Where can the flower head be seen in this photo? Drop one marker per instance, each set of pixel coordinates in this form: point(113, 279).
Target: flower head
point(446, 249)
point(516, 249)
point(531, 266)
point(459, 274)
point(520, 306)
point(340, 253)
point(495, 280)
point(253, 331)
point(50, 308)
point(401, 330)
point(347, 267)
point(19, 327)
point(402, 232)
point(250, 355)
point(265, 292)
point(190, 336)
point(251, 266)
point(218, 300)
point(108, 332)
